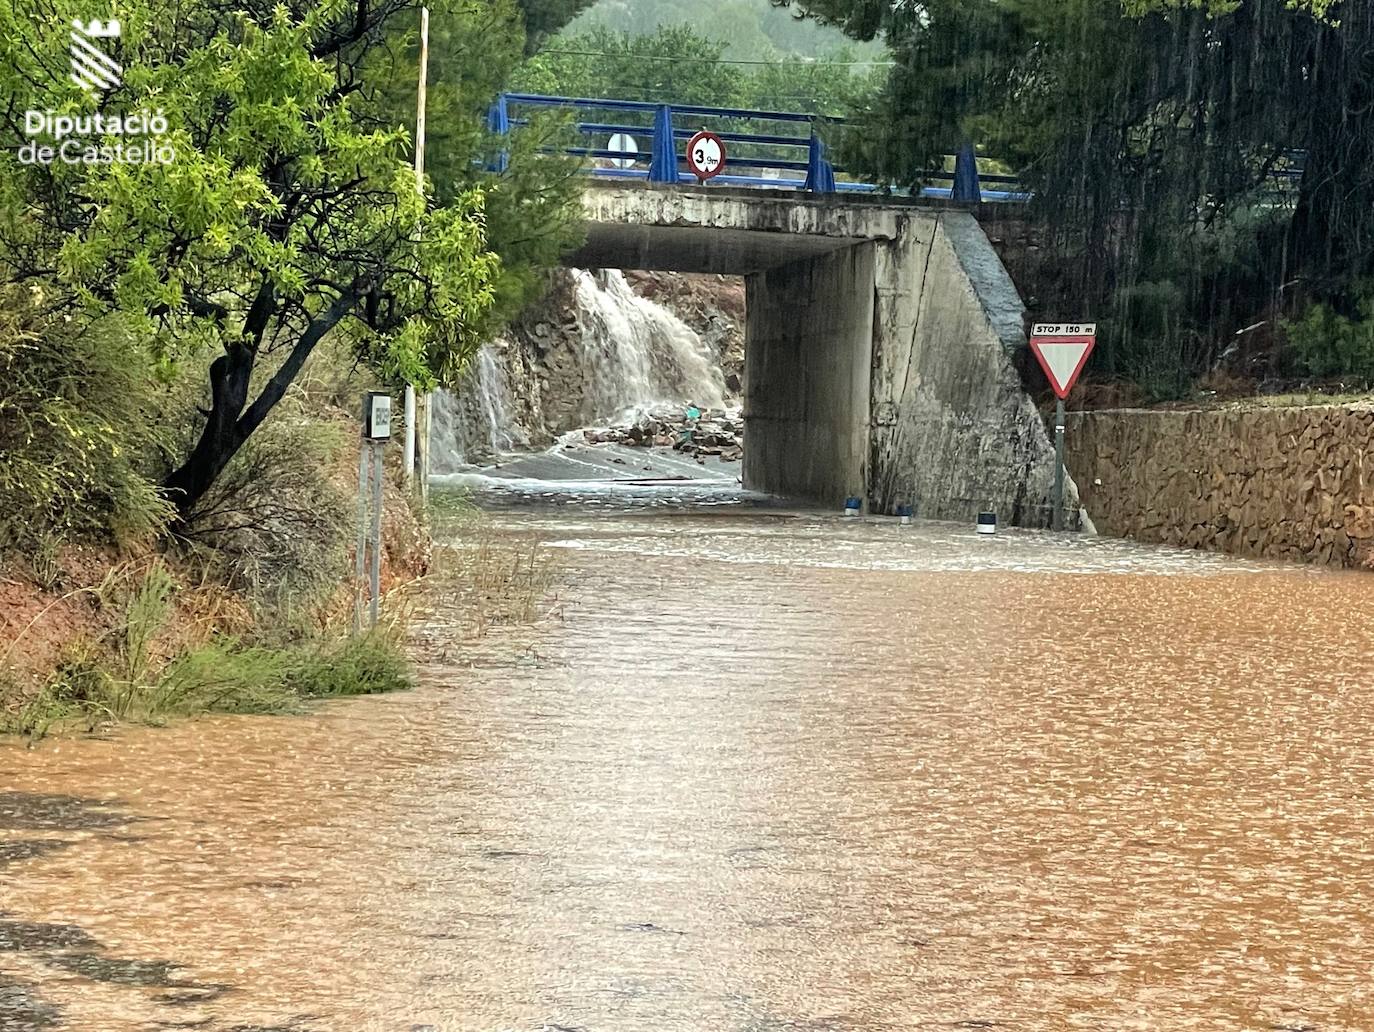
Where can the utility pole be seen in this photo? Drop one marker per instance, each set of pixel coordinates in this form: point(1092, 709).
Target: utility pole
point(417, 410)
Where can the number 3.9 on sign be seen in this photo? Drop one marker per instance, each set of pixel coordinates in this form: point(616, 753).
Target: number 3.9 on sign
point(705, 155)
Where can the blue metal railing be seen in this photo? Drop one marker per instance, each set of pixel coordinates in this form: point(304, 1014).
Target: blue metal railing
point(756, 141)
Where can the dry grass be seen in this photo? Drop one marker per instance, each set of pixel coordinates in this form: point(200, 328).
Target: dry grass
point(160, 651)
point(500, 580)
point(487, 579)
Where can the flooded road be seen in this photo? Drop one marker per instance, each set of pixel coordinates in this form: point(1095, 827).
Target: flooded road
point(753, 772)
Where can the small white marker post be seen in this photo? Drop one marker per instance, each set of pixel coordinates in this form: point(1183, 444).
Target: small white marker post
point(409, 405)
point(376, 432)
point(1062, 349)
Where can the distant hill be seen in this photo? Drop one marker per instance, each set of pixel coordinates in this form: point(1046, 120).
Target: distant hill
point(754, 30)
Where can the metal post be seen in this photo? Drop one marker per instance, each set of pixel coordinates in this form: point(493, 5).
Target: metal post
point(364, 463)
point(424, 409)
point(376, 580)
point(663, 167)
point(1059, 465)
point(498, 123)
point(820, 174)
point(410, 435)
point(966, 186)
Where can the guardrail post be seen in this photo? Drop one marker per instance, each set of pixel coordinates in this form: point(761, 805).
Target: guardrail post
point(820, 174)
point(498, 122)
point(966, 186)
point(663, 167)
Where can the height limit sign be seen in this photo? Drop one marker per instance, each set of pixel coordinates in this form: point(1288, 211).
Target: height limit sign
point(1062, 349)
point(705, 155)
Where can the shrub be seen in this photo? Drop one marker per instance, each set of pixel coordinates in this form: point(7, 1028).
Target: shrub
point(1322, 342)
point(89, 686)
point(79, 432)
point(367, 665)
point(275, 524)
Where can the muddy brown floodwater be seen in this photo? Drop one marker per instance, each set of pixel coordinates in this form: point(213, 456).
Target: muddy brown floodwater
point(756, 772)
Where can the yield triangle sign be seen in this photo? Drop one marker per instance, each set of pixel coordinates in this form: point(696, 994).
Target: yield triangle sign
point(1062, 350)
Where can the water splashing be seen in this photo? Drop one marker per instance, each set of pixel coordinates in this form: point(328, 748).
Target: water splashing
point(636, 354)
point(474, 424)
point(624, 355)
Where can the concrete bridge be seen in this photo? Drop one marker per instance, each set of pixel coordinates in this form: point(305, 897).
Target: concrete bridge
point(879, 336)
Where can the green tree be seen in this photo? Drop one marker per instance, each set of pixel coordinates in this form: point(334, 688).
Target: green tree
point(543, 18)
point(674, 63)
point(834, 84)
point(751, 29)
point(680, 64)
point(288, 212)
point(1150, 133)
point(531, 194)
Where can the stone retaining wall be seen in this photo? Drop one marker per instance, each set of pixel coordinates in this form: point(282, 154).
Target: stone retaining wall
point(1282, 483)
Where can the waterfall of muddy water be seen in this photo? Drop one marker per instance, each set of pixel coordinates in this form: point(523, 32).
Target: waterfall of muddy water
point(473, 424)
point(629, 354)
point(637, 353)
point(755, 771)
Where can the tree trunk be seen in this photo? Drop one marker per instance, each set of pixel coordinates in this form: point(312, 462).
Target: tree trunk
point(232, 420)
point(230, 375)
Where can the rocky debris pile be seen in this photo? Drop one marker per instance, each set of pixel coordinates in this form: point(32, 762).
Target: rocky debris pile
point(715, 432)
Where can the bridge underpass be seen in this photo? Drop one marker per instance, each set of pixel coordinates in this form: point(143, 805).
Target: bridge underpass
point(878, 342)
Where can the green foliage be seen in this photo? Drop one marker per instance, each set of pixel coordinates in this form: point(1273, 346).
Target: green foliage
point(222, 676)
point(834, 84)
point(366, 665)
point(542, 18)
point(1138, 8)
point(753, 30)
point(673, 63)
point(531, 207)
point(146, 613)
point(683, 64)
point(1147, 131)
point(79, 432)
point(280, 180)
point(1325, 343)
point(275, 526)
point(289, 209)
point(126, 677)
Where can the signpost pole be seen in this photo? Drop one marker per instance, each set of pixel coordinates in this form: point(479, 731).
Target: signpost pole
point(376, 579)
point(364, 465)
point(376, 431)
point(1059, 465)
point(410, 434)
point(1062, 349)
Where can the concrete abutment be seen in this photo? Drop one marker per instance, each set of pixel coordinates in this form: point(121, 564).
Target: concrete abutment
point(807, 367)
point(878, 349)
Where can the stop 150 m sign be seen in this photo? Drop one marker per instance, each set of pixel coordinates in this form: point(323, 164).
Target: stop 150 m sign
point(705, 155)
point(1062, 350)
